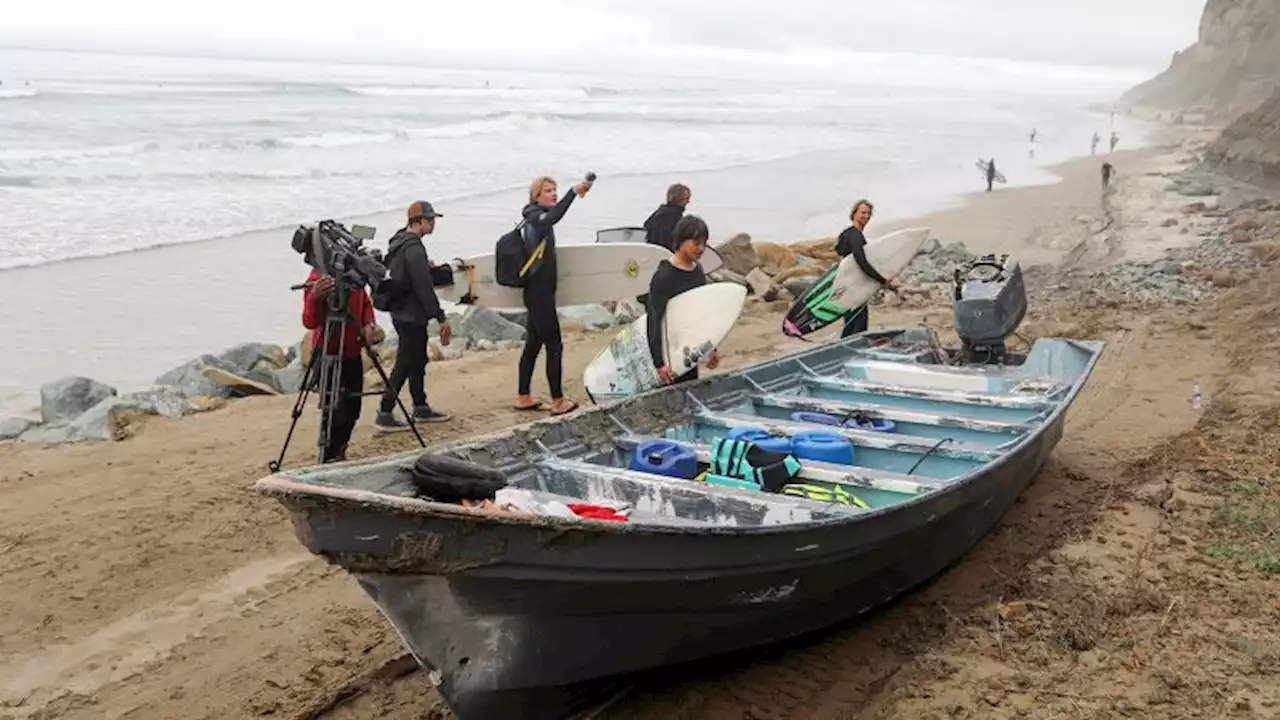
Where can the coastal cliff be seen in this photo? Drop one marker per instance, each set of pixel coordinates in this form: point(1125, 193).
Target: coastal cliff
point(1229, 71)
point(1249, 149)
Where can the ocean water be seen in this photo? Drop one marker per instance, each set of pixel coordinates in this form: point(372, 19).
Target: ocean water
point(107, 155)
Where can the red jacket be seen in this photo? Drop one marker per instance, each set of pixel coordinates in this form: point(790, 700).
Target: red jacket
point(314, 310)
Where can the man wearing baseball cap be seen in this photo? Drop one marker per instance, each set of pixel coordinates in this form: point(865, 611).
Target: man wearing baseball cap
point(415, 306)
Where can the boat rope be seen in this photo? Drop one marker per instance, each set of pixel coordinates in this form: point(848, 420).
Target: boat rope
point(928, 453)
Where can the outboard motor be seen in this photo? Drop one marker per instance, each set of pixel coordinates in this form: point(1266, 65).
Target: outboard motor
point(990, 302)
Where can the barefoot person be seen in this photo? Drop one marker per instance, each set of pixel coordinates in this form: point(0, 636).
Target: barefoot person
point(853, 242)
point(675, 275)
point(541, 215)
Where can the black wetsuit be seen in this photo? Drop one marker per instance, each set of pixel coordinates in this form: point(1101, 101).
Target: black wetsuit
point(853, 242)
point(661, 224)
point(540, 297)
point(668, 281)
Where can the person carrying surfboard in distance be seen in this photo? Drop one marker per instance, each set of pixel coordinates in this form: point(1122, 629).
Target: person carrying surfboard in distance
point(539, 292)
point(853, 242)
point(680, 273)
point(991, 173)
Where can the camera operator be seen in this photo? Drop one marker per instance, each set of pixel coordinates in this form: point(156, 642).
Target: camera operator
point(315, 307)
point(417, 306)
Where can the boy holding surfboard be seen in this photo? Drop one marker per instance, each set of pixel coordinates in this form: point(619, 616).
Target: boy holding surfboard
point(678, 274)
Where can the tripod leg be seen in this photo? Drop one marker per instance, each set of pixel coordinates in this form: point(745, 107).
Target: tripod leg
point(298, 406)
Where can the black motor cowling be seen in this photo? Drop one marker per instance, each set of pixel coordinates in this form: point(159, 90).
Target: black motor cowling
point(990, 303)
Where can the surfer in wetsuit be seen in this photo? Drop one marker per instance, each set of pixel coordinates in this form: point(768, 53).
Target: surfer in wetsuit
point(991, 173)
point(1093, 149)
point(853, 242)
point(541, 215)
point(1107, 171)
point(675, 275)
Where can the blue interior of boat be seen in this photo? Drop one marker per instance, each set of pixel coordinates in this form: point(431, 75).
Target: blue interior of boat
point(986, 437)
point(916, 461)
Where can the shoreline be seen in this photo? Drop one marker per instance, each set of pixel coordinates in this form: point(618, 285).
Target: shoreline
point(256, 268)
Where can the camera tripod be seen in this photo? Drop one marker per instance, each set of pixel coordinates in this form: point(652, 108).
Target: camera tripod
point(325, 372)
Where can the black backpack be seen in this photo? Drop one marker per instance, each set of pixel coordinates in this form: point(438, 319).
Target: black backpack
point(511, 263)
point(394, 290)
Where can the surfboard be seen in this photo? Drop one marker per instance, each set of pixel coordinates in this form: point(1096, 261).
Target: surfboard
point(697, 321)
point(982, 165)
point(587, 274)
point(845, 286)
point(711, 260)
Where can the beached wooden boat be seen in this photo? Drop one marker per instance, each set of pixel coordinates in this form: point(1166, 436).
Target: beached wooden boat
point(534, 616)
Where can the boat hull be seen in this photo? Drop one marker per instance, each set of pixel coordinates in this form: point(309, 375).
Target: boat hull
point(520, 621)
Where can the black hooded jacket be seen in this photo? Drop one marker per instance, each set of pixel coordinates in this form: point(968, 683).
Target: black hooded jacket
point(407, 258)
point(661, 225)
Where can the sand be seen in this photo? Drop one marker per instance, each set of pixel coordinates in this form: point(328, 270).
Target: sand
point(144, 578)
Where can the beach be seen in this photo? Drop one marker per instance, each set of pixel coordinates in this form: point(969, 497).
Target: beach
point(145, 579)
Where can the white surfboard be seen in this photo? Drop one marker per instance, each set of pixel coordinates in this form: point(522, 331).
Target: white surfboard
point(697, 321)
point(888, 254)
point(587, 274)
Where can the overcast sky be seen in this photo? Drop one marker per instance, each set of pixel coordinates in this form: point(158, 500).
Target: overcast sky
point(1140, 34)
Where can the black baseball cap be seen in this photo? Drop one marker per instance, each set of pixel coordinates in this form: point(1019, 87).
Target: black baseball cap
point(423, 209)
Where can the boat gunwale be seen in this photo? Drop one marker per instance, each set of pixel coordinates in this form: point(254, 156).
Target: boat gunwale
point(284, 486)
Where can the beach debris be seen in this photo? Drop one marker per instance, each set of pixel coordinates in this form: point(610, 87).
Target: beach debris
point(69, 397)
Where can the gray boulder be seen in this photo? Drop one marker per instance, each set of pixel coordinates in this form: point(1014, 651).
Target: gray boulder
point(188, 381)
point(100, 422)
point(929, 246)
point(592, 317)
point(288, 379)
point(739, 254)
point(68, 397)
point(15, 426)
point(163, 401)
point(627, 311)
point(726, 275)
point(519, 317)
point(479, 323)
point(798, 286)
point(243, 358)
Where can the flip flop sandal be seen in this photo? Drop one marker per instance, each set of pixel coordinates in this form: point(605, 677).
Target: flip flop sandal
point(572, 406)
point(536, 405)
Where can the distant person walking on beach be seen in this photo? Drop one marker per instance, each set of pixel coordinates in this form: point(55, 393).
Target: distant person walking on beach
point(661, 224)
point(1115, 140)
point(853, 242)
point(1033, 136)
point(1107, 172)
point(676, 275)
point(540, 217)
point(407, 261)
point(1093, 148)
point(991, 173)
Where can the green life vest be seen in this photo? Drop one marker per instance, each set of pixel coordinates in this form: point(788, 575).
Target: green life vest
point(747, 461)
